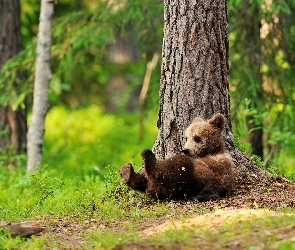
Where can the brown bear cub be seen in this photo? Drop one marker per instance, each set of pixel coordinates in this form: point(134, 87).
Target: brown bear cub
point(202, 170)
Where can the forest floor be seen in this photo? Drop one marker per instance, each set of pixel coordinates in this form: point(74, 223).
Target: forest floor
point(249, 201)
point(258, 214)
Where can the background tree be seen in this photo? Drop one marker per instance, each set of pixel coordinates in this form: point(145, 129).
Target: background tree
point(41, 86)
point(194, 74)
point(253, 69)
point(13, 121)
point(246, 68)
point(262, 75)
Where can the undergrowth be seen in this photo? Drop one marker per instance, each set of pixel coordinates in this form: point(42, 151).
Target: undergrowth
point(277, 167)
point(83, 152)
point(79, 179)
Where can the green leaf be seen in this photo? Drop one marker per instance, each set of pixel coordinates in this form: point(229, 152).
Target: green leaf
point(19, 101)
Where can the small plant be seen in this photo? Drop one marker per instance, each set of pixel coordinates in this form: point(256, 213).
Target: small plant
point(242, 146)
point(258, 162)
point(9, 158)
point(44, 187)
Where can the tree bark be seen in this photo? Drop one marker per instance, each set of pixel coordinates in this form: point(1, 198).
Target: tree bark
point(41, 86)
point(23, 229)
point(194, 74)
point(13, 123)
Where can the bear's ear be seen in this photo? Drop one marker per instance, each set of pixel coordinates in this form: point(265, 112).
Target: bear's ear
point(218, 121)
point(198, 119)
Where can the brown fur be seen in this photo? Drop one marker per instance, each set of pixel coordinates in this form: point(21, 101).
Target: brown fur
point(203, 170)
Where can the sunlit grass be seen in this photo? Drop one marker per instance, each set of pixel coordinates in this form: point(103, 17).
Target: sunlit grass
point(84, 149)
point(86, 141)
point(286, 163)
point(248, 231)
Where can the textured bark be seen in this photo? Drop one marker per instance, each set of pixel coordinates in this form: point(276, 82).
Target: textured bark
point(41, 85)
point(194, 73)
point(13, 123)
point(23, 229)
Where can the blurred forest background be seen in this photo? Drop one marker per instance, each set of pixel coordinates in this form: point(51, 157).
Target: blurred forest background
point(101, 56)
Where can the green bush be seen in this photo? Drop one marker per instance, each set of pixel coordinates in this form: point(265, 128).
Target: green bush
point(83, 151)
point(85, 141)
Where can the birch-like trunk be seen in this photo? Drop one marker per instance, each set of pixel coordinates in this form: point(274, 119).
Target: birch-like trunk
point(194, 73)
point(41, 85)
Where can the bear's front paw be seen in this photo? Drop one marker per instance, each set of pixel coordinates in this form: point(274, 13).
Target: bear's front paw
point(146, 153)
point(126, 172)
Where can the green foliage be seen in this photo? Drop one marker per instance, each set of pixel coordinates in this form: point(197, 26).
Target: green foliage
point(42, 187)
point(80, 39)
point(86, 188)
point(88, 140)
point(242, 146)
point(279, 136)
point(262, 73)
point(270, 168)
point(9, 158)
point(7, 242)
point(30, 11)
point(83, 152)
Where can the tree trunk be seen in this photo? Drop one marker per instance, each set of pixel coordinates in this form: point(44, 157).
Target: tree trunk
point(13, 123)
point(14, 127)
point(255, 93)
point(194, 74)
point(41, 85)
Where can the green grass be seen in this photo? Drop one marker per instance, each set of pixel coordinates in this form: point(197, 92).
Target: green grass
point(82, 149)
point(79, 181)
point(256, 232)
point(85, 141)
point(268, 232)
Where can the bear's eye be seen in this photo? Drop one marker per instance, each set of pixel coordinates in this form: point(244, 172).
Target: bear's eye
point(197, 139)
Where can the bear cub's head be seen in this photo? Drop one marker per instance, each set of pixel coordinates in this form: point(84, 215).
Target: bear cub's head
point(205, 138)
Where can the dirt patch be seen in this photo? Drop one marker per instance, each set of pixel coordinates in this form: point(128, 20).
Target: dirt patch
point(211, 219)
point(253, 197)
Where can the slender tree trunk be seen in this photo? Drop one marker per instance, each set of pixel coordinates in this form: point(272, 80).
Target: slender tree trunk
point(255, 93)
point(41, 85)
point(194, 73)
point(13, 123)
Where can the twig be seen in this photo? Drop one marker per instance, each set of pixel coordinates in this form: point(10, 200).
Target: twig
point(40, 200)
point(145, 86)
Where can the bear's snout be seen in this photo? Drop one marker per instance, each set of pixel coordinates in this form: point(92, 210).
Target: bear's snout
point(185, 151)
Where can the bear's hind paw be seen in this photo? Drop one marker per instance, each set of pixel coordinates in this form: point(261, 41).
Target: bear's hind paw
point(126, 172)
